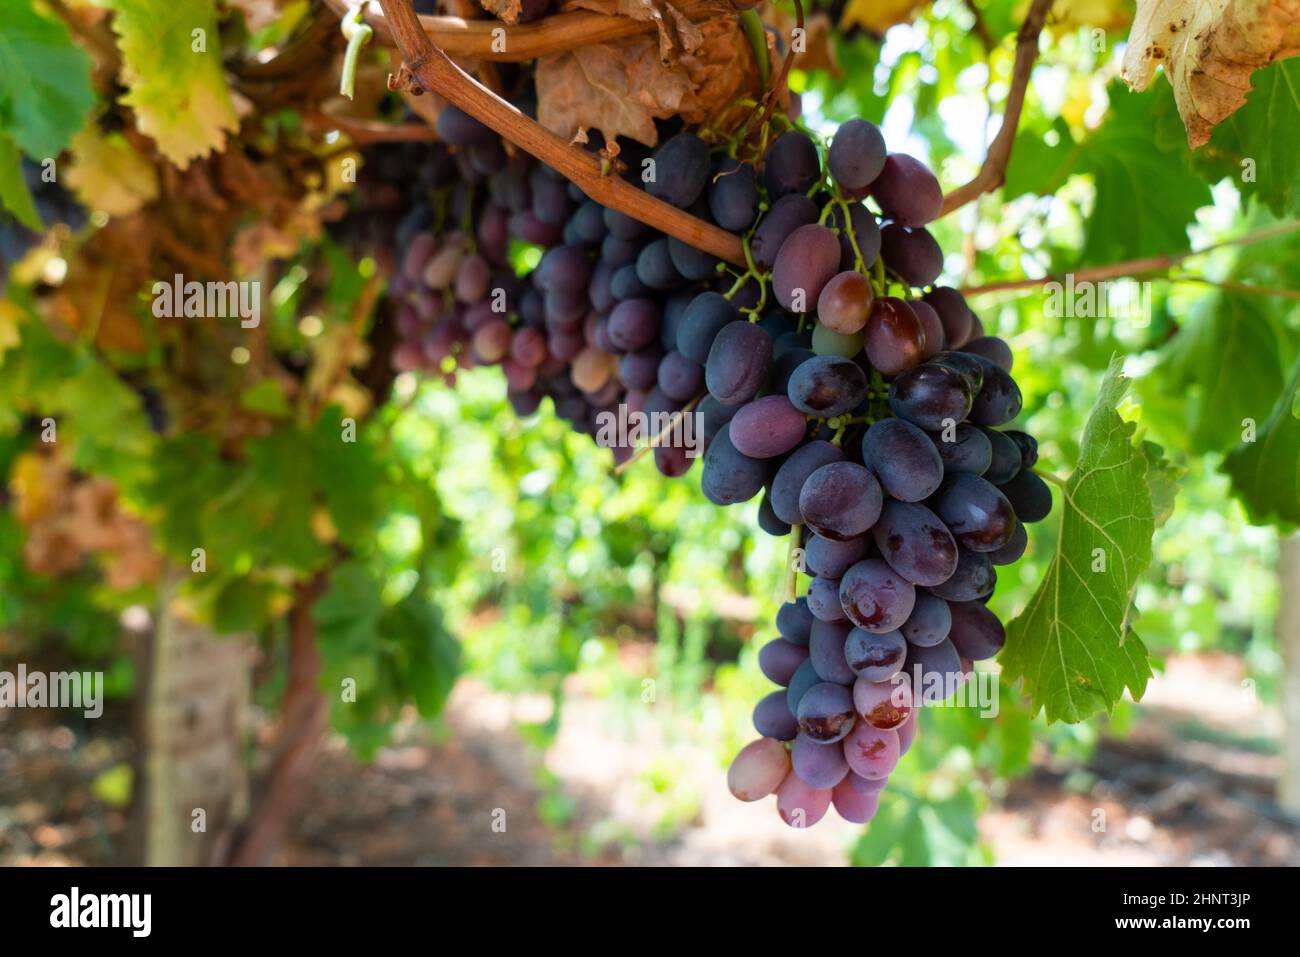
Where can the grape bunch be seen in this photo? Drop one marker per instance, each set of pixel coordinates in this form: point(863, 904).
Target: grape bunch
point(830, 376)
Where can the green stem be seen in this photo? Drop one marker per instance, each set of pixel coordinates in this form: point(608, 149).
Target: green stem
point(1049, 477)
point(357, 34)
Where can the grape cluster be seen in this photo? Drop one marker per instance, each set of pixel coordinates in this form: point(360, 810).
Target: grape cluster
point(871, 420)
point(830, 376)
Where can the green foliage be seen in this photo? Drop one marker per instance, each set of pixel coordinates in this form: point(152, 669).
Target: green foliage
point(45, 90)
point(1073, 644)
point(1266, 472)
point(1146, 192)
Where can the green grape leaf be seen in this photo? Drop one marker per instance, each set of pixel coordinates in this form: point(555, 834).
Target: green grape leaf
point(1073, 645)
point(45, 90)
point(172, 69)
point(1146, 192)
point(14, 194)
point(428, 656)
point(1229, 361)
point(1265, 473)
point(1162, 481)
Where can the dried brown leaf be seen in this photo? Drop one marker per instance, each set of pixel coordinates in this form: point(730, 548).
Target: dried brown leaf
point(619, 89)
point(505, 10)
point(723, 72)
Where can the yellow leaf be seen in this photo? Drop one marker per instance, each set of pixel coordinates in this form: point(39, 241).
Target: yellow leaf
point(171, 56)
point(877, 16)
point(1209, 49)
point(107, 173)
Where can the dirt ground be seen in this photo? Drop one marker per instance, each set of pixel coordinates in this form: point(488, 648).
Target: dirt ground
point(1168, 793)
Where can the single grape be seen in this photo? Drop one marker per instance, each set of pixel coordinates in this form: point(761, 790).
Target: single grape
point(968, 450)
point(672, 460)
point(953, 312)
point(703, 319)
point(907, 191)
point(875, 657)
point(931, 325)
point(980, 516)
point(640, 370)
point(799, 804)
point(912, 253)
point(768, 427)
point(827, 386)
point(794, 621)
point(817, 764)
point(758, 769)
point(826, 712)
point(806, 261)
point(786, 215)
point(679, 377)
point(856, 155)
point(871, 752)
point(738, 362)
point(841, 500)
point(1005, 461)
point(772, 718)
point(875, 597)
point(826, 649)
point(779, 659)
point(733, 195)
point(992, 348)
point(823, 599)
point(655, 268)
point(929, 622)
point(903, 459)
point(829, 558)
point(845, 302)
point(931, 396)
point(827, 342)
point(1014, 548)
point(935, 671)
point(803, 679)
point(998, 400)
point(884, 704)
point(681, 170)
point(894, 338)
point(791, 165)
point(852, 804)
point(915, 543)
point(1029, 496)
point(694, 264)
point(634, 324)
point(976, 632)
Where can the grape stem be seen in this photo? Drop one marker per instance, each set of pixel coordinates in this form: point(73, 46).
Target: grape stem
point(993, 171)
point(357, 34)
point(791, 570)
point(428, 68)
point(1049, 477)
point(491, 39)
point(663, 433)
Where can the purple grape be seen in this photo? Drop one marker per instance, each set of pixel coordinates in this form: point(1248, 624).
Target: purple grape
point(681, 170)
point(998, 400)
point(915, 543)
point(826, 712)
point(827, 386)
point(1029, 496)
point(823, 600)
point(1005, 460)
point(929, 622)
point(794, 472)
point(907, 191)
point(871, 752)
point(875, 657)
point(856, 155)
point(976, 632)
point(894, 338)
point(767, 427)
point(779, 659)
point(634, 324)
point(738, 362)
point(733, 195)
point(841, 500)
point(973, 579)
point(980, 516)
point(791, 165)
point(826, 650)
point(1013, 549)
point(794, 621)
point(903, 459)
point(806, 261)
point(704, 318)
point(819, 764)
point(803, 679)
point(875, 597)
point(992, 348)
point(786, 215)
point(930, 396)
point(912, 253)
point(830, 558)
point(729, 476)
point(969, 451)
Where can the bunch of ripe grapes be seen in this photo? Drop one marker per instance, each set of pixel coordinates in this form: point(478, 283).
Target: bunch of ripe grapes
point(830, 376)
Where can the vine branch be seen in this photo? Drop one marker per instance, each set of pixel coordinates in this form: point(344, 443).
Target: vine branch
point(523, 41)
point(1136, 267)
point(433, 70)
point(993, 172)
